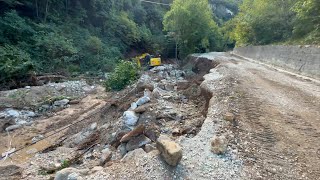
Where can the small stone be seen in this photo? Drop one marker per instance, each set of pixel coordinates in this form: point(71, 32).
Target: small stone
point(106, 156)
point(176, 132)
point(150, 147)
point(137, 142)
point(122, 149)
point(169, 87)
point(93, 126)
point(143, 100)
point(142, 108)
point(219, 145)
point(61, 103)
point(32, 151)
point(229, 117)
point(170, 151)
point(96, 169)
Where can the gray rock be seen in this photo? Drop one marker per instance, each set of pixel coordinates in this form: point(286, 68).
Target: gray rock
point(137, 142)
point(156, 93)
point(73, 176)
point(81, 136)
point(130, 118)
point(96, 169)
point(61, 103)
point(134, 155)
point(28, 114)
point(4, 123)
point(145, 82)
point(10, 172)
point(219, 145)
point(37, 138)
point(106, 156)
point(13, 113)
point(2, 115)
point(93, 126)
point(169, 87)
point(150, 147)
point(122, 149)
point(13, 127)
point(21, 122)
point(64, 174)
point(143, 100)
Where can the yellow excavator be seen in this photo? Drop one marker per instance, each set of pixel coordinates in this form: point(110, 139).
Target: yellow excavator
point(148, 60)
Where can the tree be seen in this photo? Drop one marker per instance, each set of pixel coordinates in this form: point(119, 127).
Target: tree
point(307, 22)
point(192, 25)
point(263, 22)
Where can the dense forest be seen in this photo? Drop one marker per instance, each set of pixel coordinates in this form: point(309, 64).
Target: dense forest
point(72, 37)
point(76, 36)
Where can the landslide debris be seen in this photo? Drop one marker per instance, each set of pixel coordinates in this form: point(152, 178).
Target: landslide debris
point(165, 101)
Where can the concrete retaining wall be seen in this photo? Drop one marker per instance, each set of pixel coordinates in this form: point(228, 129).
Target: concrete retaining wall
point(304, 60)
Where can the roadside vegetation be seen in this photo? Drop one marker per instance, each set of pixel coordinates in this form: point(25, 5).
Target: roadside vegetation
point(261, 22)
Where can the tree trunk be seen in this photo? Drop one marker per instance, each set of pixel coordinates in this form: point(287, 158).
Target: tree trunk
point(67, 7)
point(37, 9)
point(46, 13)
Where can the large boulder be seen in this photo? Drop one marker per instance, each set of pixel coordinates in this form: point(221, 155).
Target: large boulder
point(170, 151)
point(145, 82)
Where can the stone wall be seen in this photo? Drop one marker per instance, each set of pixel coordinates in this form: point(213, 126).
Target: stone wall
point(304, 60)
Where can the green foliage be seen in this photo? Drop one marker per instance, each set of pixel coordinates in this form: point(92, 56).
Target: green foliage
point(307, 23)
point(55, 49)
point(79, 36)
point(278, 21)
point(14, 29)
point(124, 74)
point(14, 63)
point(263, 22)
point(65, 164)
point(193, 26)
point(94, 45)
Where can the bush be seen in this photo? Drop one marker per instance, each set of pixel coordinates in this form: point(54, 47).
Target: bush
point(15, 64)
point(124, 74)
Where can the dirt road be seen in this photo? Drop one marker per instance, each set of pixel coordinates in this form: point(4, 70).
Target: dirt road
point(277, 127)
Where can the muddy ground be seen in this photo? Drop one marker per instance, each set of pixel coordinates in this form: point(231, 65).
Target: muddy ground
point(275, 134)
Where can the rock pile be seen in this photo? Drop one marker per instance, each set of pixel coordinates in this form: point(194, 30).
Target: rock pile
point(11, 119)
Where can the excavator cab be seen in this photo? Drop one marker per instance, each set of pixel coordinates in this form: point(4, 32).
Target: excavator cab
point(148, 60)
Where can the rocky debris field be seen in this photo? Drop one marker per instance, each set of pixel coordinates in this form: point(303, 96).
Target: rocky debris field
point(198, 121)
point(20, 107)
